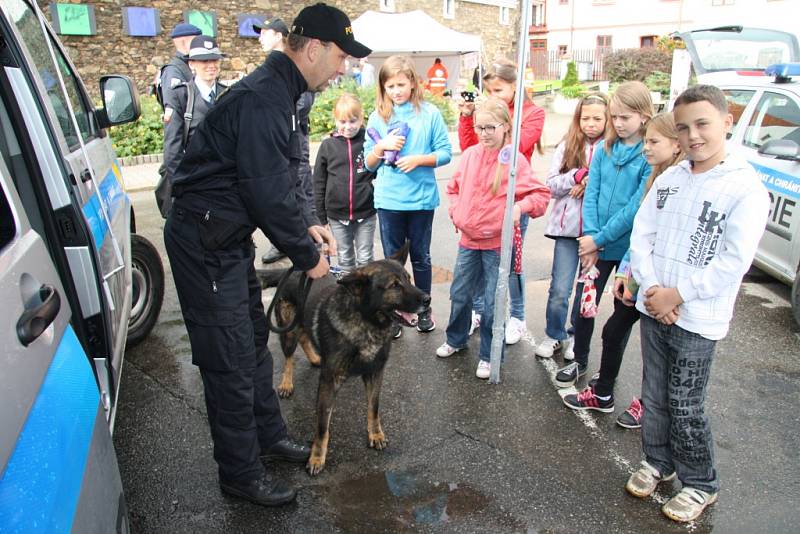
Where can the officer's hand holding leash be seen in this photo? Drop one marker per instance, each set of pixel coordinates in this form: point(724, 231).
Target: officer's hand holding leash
point(324, 237)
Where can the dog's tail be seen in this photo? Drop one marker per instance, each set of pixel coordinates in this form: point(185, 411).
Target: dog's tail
point(269, 277)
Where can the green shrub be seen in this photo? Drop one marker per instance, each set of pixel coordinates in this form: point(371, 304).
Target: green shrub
point(321, 117)
point(636, 64)
point(143, 136)
point(659, 81)
point(571, 78)
point(572, 91)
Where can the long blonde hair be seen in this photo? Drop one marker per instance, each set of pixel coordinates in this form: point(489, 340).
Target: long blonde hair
point(498, 110)
point(636, 97)
point(393, 66)
point(664, 123)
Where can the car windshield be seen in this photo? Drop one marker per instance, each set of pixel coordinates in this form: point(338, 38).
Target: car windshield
point(737, 48)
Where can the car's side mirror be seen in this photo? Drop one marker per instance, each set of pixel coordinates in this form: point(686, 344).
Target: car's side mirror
point(120, 101)
point(781, 149)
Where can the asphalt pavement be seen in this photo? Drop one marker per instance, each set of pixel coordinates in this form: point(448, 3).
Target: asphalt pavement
point(465, 455)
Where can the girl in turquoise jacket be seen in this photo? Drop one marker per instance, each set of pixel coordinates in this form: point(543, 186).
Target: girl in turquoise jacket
point(617, 177)
point(405, 190)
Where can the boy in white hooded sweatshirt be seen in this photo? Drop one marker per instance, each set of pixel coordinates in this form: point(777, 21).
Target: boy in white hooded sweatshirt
point(693, 240)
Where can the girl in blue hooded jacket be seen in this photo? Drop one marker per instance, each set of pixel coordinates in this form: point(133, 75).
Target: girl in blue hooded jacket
point(617, 176)
point(406, 194)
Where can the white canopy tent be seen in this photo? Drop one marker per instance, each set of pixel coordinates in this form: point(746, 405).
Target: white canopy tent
point(417, 35)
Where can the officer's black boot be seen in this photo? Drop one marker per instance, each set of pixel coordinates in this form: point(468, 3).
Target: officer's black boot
point(266, 491)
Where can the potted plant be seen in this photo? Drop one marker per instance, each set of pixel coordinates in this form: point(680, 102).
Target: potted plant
point(570, 93)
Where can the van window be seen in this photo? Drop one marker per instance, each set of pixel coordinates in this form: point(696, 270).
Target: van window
point(737, 102)
point(776, 117)
point(31, 32)
point(8, 229)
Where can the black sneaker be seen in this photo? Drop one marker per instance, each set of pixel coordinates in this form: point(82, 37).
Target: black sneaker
point(398, 330)
point(425, 321)
point(587, 400)
point(569, 374)
point(632, 417)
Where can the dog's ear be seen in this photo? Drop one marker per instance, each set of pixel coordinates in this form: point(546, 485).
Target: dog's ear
point(355, 282)
point(401, 255)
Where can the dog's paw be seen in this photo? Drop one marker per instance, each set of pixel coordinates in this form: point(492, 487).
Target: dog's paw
point(315, 465)
point(378, 441)
point(285, 391)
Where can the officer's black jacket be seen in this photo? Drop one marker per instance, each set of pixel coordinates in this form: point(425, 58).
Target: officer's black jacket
point(173, 130)
point(237, 163)
point(177, 68)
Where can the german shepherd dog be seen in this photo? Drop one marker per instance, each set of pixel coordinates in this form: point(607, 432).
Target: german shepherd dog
point(346, 329)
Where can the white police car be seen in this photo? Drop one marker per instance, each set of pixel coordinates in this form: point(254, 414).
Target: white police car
point(759, 72)
point(76, 283)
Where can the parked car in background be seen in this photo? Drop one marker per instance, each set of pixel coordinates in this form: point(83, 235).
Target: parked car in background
point(759, 72)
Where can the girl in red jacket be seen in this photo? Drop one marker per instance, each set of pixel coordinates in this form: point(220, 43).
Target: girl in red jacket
point(500, 80)
point(477, 194)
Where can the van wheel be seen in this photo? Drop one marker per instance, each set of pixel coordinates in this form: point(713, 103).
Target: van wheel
point(147, 275)
point(796, 297)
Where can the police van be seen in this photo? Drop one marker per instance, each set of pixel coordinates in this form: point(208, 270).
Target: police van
point(759, 72)
point(76, 284)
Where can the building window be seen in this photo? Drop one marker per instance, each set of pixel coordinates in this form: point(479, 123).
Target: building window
point(505, 16)
point(563, 2)
point(647, 41)
point(449, 9)
point(537, 15)
point(562, 50)
point(387, 6)
point(722, 2)
point(603, 41)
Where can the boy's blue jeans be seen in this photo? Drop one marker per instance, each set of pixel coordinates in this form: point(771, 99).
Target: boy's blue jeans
point(414, 226)
point(516, 285)
point(565, 268)
point(475, 274)
point(676, 435)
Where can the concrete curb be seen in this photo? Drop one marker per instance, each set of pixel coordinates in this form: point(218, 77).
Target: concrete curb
point(131, 161)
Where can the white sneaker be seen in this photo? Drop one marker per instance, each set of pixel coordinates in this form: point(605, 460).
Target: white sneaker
point(445, 351)
point(515, 329)
point(547, 347)
point(483, 370)
point(476, 322)
point(567, 350)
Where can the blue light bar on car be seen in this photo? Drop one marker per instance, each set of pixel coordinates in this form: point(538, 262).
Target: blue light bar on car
point(783, 72)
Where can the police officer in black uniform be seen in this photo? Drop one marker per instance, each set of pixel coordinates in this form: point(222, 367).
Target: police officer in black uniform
point(191, 101)
point(234, 177)
point(177, 71)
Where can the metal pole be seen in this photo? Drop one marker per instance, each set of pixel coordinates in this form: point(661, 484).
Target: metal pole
point(501, 294)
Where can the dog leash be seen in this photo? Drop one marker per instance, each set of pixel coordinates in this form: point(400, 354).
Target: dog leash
point(303, 289)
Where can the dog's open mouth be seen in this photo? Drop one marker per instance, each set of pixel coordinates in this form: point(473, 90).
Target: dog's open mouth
point(406, 318)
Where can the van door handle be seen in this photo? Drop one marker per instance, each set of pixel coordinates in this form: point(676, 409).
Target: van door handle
point(34, 321)
point(86, 176)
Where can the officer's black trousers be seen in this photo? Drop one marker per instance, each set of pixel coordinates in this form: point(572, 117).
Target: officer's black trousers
point(220, 298)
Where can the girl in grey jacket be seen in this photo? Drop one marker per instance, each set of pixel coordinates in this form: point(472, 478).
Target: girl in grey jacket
point(567, 182)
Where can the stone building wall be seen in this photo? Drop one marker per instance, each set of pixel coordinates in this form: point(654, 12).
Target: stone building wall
point(110, 51)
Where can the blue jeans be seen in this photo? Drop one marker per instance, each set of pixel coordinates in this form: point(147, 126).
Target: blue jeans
point(475, 273)
point(676, 435)
point(565, 267)
point(354, 242)
point(516, 285)
point(414, 226)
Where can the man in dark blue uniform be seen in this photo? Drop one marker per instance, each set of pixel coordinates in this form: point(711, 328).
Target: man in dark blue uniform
point(177, 71)
point(234, 177)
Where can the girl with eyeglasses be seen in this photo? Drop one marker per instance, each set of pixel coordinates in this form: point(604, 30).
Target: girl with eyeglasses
point(500, 80)
point(567, 181)
point(477, 194)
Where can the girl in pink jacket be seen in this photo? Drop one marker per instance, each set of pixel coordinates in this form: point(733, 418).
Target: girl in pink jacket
point(477, 194)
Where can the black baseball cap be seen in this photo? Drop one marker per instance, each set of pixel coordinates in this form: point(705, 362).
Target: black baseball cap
point(275, 24)
point(327, 23)
point(184, 29)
